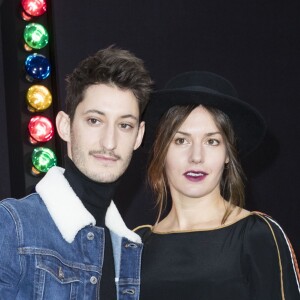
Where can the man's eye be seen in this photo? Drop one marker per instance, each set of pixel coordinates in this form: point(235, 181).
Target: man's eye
point(93, 121)
point(180, 141)
point(126, 126)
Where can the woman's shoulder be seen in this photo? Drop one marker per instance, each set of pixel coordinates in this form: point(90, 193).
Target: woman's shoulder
point(263, 223)
point(264, 230)
point(258, 228)
point(248, 221)
point(260, 225)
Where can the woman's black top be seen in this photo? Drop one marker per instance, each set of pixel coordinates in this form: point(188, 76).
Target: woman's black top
point(249, 259)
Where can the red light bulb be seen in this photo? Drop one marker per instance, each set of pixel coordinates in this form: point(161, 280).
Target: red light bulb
point(40, 129)
point(34, 8)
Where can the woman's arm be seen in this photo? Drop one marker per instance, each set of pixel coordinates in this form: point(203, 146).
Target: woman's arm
point(270, 261)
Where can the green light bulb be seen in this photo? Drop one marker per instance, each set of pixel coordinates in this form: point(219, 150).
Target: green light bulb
point(36, 36)
point(43, 159)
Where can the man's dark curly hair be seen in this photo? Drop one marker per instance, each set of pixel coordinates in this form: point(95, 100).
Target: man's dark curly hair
point(111, 66)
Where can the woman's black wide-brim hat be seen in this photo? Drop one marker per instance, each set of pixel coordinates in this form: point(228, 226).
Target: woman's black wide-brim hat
point(211, 90)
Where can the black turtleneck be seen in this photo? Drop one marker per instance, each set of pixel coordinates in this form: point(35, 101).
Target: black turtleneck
point(96, 198)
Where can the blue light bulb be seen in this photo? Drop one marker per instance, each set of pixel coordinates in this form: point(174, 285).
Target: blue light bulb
point(37, 67)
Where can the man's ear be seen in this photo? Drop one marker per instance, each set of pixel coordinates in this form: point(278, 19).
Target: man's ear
point(140, 135)
point(63, 126)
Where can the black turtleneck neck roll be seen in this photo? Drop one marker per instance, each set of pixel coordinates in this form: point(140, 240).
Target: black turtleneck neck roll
point(95, 196)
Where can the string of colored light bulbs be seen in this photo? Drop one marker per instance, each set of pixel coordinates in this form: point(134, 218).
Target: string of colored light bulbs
point(38, 96)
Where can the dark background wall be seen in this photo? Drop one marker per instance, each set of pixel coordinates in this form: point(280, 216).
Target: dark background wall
point(254, 44)
point(4, 169)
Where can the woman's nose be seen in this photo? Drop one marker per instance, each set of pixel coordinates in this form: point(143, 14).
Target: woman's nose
point(196, 153)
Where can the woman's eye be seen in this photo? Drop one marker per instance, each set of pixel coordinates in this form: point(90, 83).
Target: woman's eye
point(213, 142)
point(180, 141)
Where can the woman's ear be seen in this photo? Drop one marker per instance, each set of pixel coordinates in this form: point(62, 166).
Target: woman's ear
point(63, 126)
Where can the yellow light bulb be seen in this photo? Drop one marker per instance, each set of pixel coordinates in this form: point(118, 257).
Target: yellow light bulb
point(38, 98)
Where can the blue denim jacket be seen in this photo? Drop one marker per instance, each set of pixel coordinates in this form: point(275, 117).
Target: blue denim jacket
point(50, 247)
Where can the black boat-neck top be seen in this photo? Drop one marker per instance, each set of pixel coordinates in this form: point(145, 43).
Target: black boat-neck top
point(248, 259)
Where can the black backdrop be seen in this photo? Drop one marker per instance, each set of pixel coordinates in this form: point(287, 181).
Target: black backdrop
point(255, 44)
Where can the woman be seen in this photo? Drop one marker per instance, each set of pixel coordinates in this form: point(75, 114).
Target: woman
point(207, 246)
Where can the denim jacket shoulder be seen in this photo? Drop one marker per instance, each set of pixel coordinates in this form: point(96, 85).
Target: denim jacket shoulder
point(49, 245)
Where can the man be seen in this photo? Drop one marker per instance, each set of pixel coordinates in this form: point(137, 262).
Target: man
point(67, 240)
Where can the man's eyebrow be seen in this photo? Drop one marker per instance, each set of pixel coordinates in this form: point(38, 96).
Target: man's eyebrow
point(99, 112)
point(130, 116)
point(94, 111)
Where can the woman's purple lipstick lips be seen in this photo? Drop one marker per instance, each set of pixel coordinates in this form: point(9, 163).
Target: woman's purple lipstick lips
point(195, 176)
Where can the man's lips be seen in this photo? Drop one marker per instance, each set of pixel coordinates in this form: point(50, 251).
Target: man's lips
point(107, 158)
point(195, 175)
point(104, 157)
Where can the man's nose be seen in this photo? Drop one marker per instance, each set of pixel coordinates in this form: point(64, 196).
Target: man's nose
point(109, 137)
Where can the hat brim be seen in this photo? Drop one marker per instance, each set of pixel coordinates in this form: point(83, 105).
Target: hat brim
point(248, 124)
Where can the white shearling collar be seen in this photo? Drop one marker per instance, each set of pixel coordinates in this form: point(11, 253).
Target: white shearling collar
point(68, 212)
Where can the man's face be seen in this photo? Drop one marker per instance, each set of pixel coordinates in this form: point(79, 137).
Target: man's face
point(104, 132)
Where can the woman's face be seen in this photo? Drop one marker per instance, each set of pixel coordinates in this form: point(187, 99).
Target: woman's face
point(196, 157)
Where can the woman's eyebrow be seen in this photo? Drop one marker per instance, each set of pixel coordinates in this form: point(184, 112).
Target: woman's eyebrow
point(183, 133)
point(207, 134)
point(213, 133)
